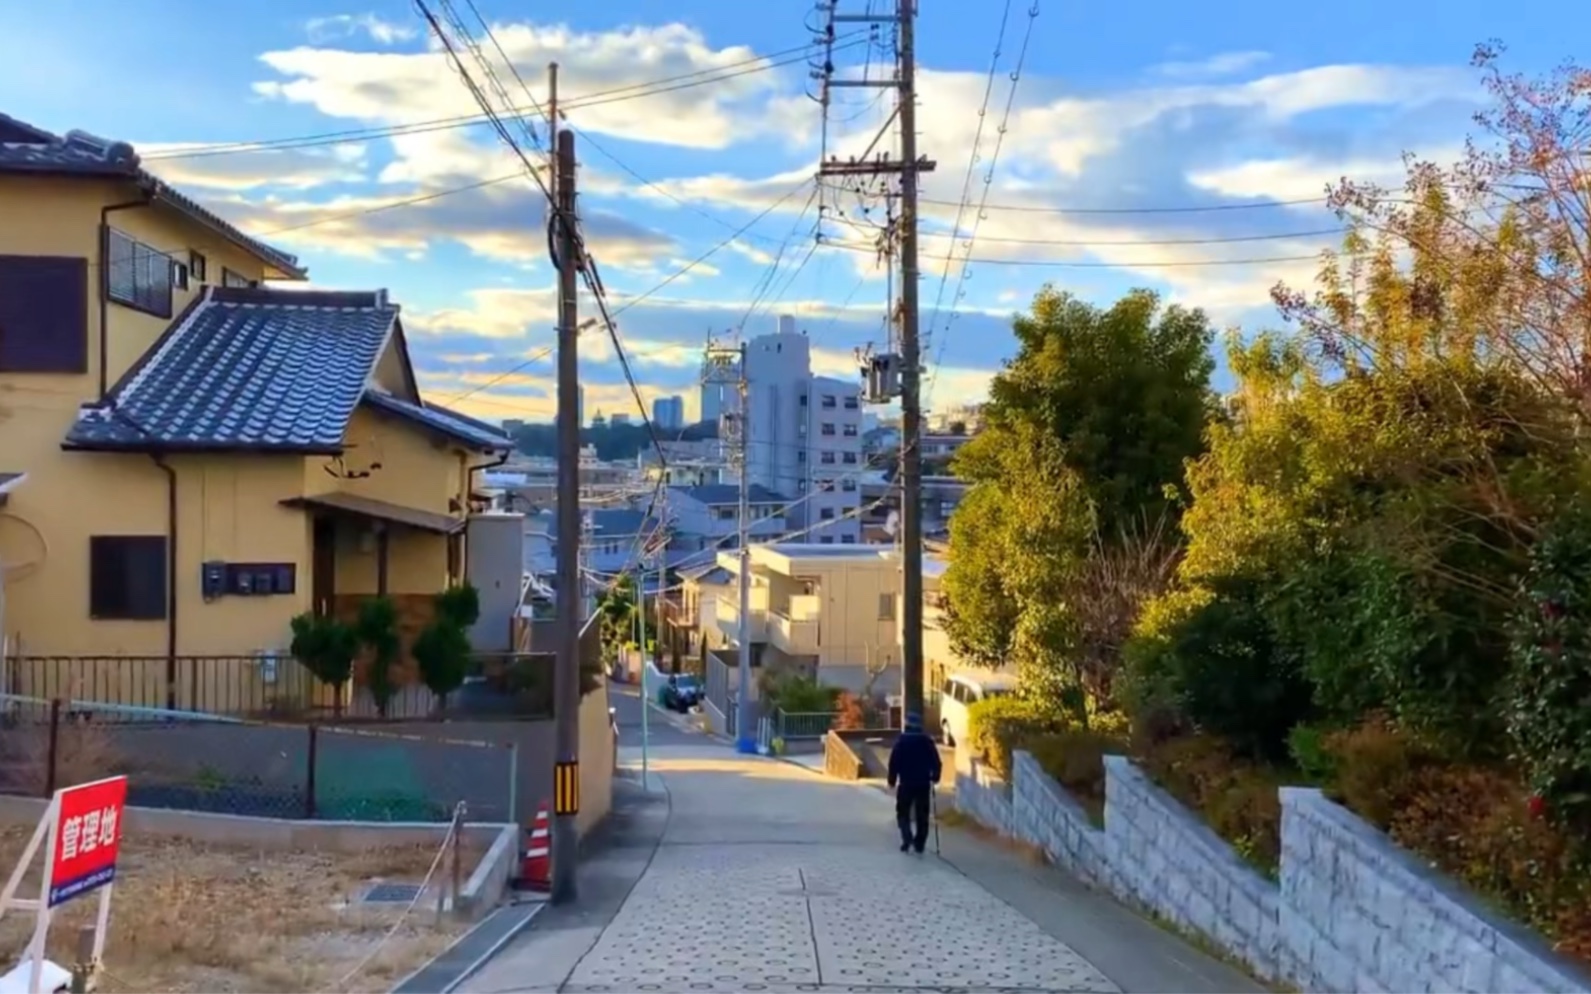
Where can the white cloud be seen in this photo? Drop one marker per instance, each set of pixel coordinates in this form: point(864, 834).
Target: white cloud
point(252, 167)
point(325, 29)
point(1223, 64)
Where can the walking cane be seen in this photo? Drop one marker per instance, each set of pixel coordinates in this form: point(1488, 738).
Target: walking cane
point(933, 806)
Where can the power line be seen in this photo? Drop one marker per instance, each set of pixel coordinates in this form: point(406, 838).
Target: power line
point(977, 221)
point(1061, 264)
point(1031, 208)
point(352, 136)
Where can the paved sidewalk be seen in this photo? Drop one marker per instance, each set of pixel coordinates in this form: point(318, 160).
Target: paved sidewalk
point(762, 876)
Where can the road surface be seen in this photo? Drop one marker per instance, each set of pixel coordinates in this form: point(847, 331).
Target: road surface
point(735, 873)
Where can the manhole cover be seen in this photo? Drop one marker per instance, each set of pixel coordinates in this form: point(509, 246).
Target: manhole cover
point(392, 894)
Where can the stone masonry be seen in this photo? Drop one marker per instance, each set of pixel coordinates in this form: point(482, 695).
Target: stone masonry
point(1351, 911)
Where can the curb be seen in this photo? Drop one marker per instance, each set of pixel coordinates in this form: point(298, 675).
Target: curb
point(494, 931)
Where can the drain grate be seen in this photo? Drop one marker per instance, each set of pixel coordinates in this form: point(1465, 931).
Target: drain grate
point(392, 894)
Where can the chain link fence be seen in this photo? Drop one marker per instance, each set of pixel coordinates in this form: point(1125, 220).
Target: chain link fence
point(195, 762)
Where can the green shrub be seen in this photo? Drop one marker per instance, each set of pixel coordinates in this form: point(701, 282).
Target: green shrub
point(1549, 719)
point(1215, 662)
point(1237, 797)
point(1075, 759)
point(799, 694)
point(996, 726)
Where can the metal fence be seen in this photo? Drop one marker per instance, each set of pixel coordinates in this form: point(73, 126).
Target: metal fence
point(794, 726)
point(196, 762)
point(275, 686)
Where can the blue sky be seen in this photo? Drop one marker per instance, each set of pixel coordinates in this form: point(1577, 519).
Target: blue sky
point(1115, 119)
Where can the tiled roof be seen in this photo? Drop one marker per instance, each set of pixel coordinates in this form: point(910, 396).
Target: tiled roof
point(247, 369)
point(729, 493)
point(450, 423)
point(28, 149)
point(617, 521)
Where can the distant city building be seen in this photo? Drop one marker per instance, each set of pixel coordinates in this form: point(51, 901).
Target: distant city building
point(804, 435)
point(513, 425)
point(668, 413)
point(620, 418)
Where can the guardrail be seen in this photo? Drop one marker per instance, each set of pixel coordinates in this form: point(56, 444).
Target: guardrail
point(798, 725)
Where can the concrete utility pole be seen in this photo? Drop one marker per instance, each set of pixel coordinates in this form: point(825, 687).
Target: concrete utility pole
point(570, 603)
point(891, 375)
point(728, 365)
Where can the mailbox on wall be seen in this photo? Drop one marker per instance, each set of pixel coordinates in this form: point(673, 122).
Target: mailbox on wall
point(223, 579)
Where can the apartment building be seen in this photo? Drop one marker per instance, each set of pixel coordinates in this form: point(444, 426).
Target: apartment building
point(825, 610)
point(668, 413)
point(804, 435)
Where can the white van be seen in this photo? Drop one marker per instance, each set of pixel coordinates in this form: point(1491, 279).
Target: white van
point(962, 690)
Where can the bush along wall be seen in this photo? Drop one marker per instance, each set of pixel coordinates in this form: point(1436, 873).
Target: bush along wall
point(1349, 911)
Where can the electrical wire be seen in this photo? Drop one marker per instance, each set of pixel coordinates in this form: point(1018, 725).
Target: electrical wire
point(1063, 264)
point(977, 220)
point(746, 67)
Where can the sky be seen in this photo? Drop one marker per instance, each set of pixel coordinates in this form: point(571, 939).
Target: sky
point(1081, 145)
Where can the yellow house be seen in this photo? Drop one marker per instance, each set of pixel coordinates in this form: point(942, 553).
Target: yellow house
point(826, 610)
point(189, 459)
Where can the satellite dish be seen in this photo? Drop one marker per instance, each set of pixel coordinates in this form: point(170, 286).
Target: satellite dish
point(892, 523)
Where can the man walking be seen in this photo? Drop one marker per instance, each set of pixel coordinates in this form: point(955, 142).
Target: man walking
point(914, 770)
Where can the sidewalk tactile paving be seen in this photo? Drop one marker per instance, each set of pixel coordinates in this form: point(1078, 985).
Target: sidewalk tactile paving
point(816, 918)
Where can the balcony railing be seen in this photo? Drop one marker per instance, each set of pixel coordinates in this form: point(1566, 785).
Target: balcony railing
point(728, 619)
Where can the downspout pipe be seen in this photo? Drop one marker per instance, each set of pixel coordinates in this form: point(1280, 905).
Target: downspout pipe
point(104, 286)
point(171, 580)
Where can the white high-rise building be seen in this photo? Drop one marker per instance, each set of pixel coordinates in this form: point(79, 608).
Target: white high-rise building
point(804, 435)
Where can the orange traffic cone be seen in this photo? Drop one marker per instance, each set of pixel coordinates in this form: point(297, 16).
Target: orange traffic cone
point(536, 868)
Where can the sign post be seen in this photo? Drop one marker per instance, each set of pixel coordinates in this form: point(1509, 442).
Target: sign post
point(81, 833)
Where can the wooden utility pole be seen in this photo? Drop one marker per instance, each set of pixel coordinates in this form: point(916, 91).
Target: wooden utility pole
point(899, 374)
point(570, 603)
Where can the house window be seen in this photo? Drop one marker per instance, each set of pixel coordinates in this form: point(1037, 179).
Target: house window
point(848, 485)
point(850, 459)
point(803, 400)
point(127, 577)
point(43, 314)
point(886, 607)
point(851, 403)
point(138, 276)
point(849, 431)
point(828, 428)
point(829, 401)
point(236, 281)
point(179, 275)
point(847, 539)
point(198, 265)
point(801, 455)
point(827, 540)
point(827, 514)
point(724, 513)
point(826, 458)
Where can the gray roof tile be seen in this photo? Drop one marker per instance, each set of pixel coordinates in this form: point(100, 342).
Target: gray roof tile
point(28, 149)
point(460, 427)
point(729, 493)
point(247, 369)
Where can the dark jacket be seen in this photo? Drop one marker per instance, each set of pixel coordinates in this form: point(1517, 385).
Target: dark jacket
point(914, 761)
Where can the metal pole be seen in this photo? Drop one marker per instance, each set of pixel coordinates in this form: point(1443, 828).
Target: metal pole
point(745, 736)
point(911, 525)
point(566, 679)
point(646, 662)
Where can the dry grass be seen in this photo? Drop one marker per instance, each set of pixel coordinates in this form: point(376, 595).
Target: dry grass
point(190, 917)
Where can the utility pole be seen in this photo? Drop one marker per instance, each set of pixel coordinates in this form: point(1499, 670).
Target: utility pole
point(899, 374)
point(552, 126)
point(570, 603)
point(728, 366)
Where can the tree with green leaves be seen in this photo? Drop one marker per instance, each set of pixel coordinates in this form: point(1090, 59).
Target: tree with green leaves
point(442, 649)
point(1088, 428)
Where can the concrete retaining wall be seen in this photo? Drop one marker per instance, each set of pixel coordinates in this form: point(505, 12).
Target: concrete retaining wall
point(1351, 912)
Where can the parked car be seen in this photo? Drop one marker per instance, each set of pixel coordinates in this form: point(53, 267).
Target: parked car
point(681, 693)
point(961, 691)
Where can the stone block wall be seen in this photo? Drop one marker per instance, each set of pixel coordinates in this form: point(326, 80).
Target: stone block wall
point(1361, 914)
point(1351, 911)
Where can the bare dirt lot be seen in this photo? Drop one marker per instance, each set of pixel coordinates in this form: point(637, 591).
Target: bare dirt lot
point(194, 917)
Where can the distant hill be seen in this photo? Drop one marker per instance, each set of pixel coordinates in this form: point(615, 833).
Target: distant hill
point(622, 442)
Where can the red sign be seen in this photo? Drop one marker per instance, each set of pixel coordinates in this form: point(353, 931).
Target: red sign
point(88, 834)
